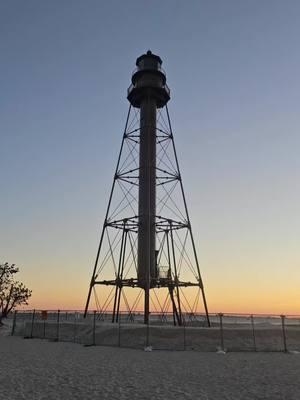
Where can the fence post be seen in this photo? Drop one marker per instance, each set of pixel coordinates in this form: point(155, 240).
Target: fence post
point(94, 329)
point(253, 333)
point(147, 333)
point(32, 323)
point(75, 327)
point(57, 326)
point(184, 335)
point(221, 331)
point(44, 328)
point(119, 330)
point(283, 332)
point(14, 323)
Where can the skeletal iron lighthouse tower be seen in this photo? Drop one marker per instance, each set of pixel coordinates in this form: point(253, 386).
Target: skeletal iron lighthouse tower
point(147, 256)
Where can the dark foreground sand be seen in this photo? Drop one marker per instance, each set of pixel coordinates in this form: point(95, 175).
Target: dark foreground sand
point(36, 369)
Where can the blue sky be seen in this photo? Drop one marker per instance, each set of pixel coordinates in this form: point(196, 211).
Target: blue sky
point(233, 69)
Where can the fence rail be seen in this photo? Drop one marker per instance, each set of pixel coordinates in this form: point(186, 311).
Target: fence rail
point(228, 332)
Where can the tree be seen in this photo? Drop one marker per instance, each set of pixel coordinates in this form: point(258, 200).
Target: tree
point(12, 292)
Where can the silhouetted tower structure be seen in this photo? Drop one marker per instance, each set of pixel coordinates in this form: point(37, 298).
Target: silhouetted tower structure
point(147, 241)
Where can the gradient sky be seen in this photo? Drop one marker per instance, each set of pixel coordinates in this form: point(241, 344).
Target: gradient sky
point(233, 69)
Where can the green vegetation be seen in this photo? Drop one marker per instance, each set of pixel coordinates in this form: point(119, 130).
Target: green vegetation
point(12, 292)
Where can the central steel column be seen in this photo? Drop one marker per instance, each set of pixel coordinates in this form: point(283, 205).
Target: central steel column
point(147, 92)
point(147, 198)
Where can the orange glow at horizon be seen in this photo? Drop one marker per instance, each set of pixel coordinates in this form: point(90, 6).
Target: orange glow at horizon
point(230, 300)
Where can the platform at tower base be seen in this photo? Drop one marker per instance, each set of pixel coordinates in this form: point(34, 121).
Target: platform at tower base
point(228, 332)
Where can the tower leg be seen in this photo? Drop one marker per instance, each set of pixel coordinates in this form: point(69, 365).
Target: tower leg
point(205, 307)
point(88, 299)
point(175, 311)
point(105, 220)
point(189, 223)
point(176, 279)
point(118, 278)
point(147, 306)
point(118, 304)
point(115, 304)
point(121, 274)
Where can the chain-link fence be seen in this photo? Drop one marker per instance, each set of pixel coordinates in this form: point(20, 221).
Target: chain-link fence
point(228, 332)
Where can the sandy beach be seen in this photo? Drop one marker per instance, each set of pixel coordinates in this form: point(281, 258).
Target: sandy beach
point(38, 369)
